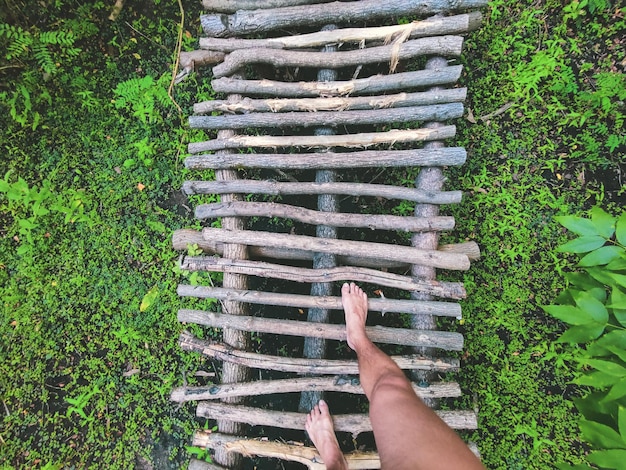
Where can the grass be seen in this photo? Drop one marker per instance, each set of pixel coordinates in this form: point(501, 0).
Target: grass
point(91, 158)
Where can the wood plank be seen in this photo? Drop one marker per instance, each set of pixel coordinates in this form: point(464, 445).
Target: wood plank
point(415, 307)
point(223, 352)
point(386, 116)
point(344, 384)
point(352, 423)
point(375, 84)
point(435, 26)
point(450, 290)
point(434, 258)
point(378, 334)
point(259, 21)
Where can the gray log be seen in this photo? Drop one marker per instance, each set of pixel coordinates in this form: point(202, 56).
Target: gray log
point(375, 84)
point(360, 140)
point(452, 156)
point(434, 258)
point(378, 334)
point(257, 21)
point(436, 112)
point(343, 384)
point(449, 46)
point(435, 26)
point(449, 290)
point(351, 189)
point(222, 352)
point(231, 6)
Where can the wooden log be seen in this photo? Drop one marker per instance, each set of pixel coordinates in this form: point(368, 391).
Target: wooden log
point(375, 84)
point(448, 46)
point(192, 60)
point(195, 464)
point(434, 258)
point(435, 112)
point(231, 6)
point(274, 105)
point(360, 140)
point(350, 189)
point(378, 334)
point(225, 353)
point(444, 309)
point(344, 384)
point(450, 290)
point(352, 423)
point(434, 26)
point(307, 456)
point(450, 156)
point(258, 21)
point(308, 216)
point(471, 249)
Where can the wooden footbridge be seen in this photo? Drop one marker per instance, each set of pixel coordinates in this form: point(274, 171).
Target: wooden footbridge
point(318, 96)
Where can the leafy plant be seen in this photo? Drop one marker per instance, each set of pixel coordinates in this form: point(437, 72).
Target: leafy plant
point(140, 97)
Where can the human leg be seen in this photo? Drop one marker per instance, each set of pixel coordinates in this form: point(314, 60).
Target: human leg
point(408, 434)
point(319, 425)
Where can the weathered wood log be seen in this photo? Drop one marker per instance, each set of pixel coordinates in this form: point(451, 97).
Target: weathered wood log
point(352, 423)
point(360, 140)
point(349, 189)
point(379, 334)
point(435, 26)
point(399, 100)
point(191, 60)
point(308, 216)
point(450, 290)
point(195, 464)
point(184, 237)
point(344, 384)
point(375, 84)
point(307, 456)
point(225, 353)
point(451, 156)
point(444, 309)
point(231, 6)
point(435, 112)
point(257, 21)
point(434, 258)
point(448, 46)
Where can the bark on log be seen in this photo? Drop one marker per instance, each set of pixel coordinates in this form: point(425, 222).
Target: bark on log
point(399, 100)
point(434, 258)
point(195, 464)
point(435, 112)
point(435, 26)
point(344, 384)
point(349, 189)
point(444, 309)
point(225, 353)
point(375, 84)
point(307, 456)
point(257, 21)
point(191, 60)
point(360, 140)
point(378, 334)
point(231, 6)
point(335, 219)
point(452, 156)
point(355, 424)
point(449, 46)
point(450, 290)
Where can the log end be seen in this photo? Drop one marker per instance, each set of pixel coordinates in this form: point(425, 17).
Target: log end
point(215, 25)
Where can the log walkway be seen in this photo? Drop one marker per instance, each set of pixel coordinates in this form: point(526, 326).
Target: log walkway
point(301, 130)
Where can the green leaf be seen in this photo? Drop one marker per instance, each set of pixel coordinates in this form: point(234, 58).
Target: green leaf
point(582, 244)
point(614, 458)
point(618, 264)
point(582, 333)
point(596, 379)
point(607, 277)
point(566, 466)
point(604, 222)
point(607, 367)
point(621, 421)
point(617, 391)
point(149, 299)
point(569, 314)
point(583, 281)
point(620, 229)
point(601, 435)
point(593, 306)
point(578, 225)
point(617, 302)
point(602, 255)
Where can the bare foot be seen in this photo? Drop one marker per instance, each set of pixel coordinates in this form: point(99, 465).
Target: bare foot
point(354, 302)
point(319, 425)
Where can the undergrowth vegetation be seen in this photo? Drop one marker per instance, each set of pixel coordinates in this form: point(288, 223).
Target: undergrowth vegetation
point(89, 196)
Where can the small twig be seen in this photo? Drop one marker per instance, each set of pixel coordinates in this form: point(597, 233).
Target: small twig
point(117, 9)
point(6, 408)
point(497, 112)
point(179, 46)
point(143, 35)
